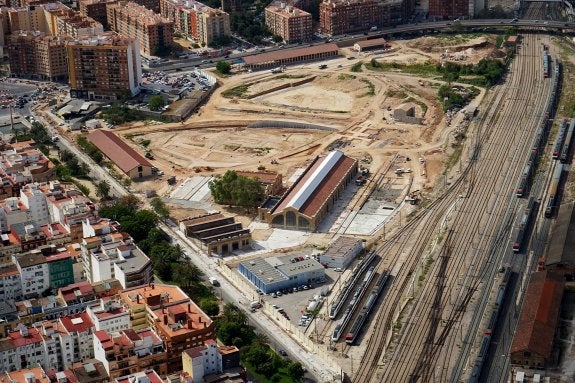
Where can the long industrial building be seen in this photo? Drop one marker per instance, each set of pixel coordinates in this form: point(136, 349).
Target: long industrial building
point(131, 162)
point(290, 56)
point(310, 198)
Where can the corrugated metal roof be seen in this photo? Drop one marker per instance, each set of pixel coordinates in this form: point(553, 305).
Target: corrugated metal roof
point(315, 179)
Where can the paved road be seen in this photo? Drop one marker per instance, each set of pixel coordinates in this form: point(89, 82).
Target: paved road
point(228, 292)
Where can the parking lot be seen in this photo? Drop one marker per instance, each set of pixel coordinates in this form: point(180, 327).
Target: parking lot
point(24, 94)
point(294, 305)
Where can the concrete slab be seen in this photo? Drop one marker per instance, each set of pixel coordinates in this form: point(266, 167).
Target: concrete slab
point(371, 217)
point(280, 239)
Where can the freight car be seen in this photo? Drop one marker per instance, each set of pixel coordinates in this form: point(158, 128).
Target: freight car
point(553, 198)
point(560, 139)
point(568, 141)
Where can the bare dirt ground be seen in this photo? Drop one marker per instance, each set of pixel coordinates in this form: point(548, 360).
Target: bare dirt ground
point(358, 106)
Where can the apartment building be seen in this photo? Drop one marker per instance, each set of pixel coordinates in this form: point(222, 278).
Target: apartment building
point(179, 322)
point(34, 273)
point(25, 375)
point(25, 18)
point(292, 24)
point(182, 326)
point(209, 361)
point(109, 315)
point(69, 207)
point(23, 347)
point(95, 9)
point(33, 54)
point(130, 351)
point(153, 32)
point(196, 20)
point(106, 67)
point(80, 329)
point(114, 255)
point(87, 371)
point(77, 292)
point(448, 9)
point(10, 282)
point(342, 16)
point(60, 268)
point(26, 165)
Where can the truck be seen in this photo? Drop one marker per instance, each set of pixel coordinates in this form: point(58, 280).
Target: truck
point(214, 281)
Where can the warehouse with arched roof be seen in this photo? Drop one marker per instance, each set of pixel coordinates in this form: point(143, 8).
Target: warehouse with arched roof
point(310, 198)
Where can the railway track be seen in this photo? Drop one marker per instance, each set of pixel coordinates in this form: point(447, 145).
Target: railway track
point(469, 258)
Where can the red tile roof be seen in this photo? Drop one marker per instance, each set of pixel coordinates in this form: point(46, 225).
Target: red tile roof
point(71, 292)
point(117, 150)
point(285, 54)
point(77, 322)
point(539, 315)
point(18, 340)
point(152, 376)
point(371, 43)
point(320, 195)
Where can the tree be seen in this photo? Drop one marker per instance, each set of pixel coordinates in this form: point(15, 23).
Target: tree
point(139, 224)
point(156, 103)
point(103, 190)
point(295, 371)
point(187, 274)
point(210, 307)
point(236, 190)
point(224, 67)
point(159, 207)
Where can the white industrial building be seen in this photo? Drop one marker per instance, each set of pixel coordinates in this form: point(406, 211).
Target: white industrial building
point(276, 273)
point(341, 252)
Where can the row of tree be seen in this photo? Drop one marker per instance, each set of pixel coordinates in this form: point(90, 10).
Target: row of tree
point(90, 149)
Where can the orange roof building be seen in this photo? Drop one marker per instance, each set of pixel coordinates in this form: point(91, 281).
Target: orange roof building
point(533, 340)
point(310, 198)
point(127, 159)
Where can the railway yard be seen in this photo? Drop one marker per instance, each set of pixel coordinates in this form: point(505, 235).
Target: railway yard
point(437, 298)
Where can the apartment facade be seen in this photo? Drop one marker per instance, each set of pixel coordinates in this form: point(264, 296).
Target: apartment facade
point(292, 24)
point(196, 20)
point(106, 67)
point(36, 55)
point(337, 17)
point(153, 32)
point(130, 351)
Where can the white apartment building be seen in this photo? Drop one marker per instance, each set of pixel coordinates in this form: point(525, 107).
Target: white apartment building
point(10, 283)
point(23, 347)
point(109, 315)
point(80, 329)
point(34, 199)
point(110, 255)
point(12, 211)
point(34, 273)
